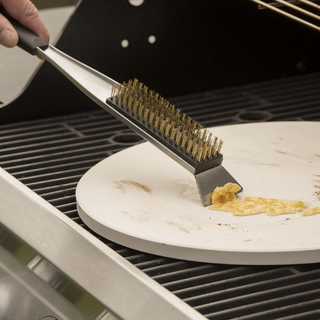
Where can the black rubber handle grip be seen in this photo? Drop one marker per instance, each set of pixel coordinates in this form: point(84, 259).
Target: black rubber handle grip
point(28, 40)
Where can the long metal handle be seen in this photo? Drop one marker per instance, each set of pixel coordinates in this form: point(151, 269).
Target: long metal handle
point(94, 84)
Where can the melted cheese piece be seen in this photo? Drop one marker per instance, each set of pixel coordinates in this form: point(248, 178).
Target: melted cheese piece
point(224, 199)
point(311, 211)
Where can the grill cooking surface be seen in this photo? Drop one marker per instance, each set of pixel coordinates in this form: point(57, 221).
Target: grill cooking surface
point(51, 155)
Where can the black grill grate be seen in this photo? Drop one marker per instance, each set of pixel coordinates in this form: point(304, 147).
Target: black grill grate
point(51, 155)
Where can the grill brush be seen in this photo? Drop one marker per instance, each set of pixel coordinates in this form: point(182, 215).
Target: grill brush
point(149, 115)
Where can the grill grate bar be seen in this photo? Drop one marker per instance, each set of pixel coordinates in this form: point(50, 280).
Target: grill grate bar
point(306, 310)
point(169, 266)
point(72, 214)
point(228, 104)
point(157, 265)
point(270, 307)
point(237, 277)
point(259, 291)
point(286, 92)
point(289, 107)
point(252, 102)
point(113, 125)
point(42, 149)
point(54, 182)
point(296, 114)
point(66, 207)
point(26, 127)
point(219, 122)
point(37, 140)
point(183, 289)
point(314, 117)
point(314, 314)
point(102, 119)
point(295, 82)
point(37, 172)
point(63, 200)
point(57, 188)
point(33, 169)
point(185, 273)
point(59, 157)
point(136, 257)
point(219, 109)
point(294, 100)
point(220, 113)
point(28, 135)
point(55, 175)
point(61, 193)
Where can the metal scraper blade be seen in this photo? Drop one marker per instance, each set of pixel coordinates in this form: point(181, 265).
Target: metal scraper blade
point(208, 180)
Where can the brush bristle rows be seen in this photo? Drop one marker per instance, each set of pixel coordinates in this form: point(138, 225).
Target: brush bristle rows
point(165, 120)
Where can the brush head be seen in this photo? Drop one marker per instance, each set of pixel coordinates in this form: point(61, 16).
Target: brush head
point(171, 127)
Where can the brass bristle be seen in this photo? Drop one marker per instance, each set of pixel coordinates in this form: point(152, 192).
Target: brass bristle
point(156, 122)
point(200, 151)
point(151, 116)
point(129, 105)
point(135, 106)
point(151, 93)
point(205, 150)
point(124, 99)
point(220, 146)
point(140, 110)
point(162, 125)
point(183, 141)
point(210, 150)
point(162, 117)
point(188, 122)
point(189, 146)
point(166, 106)
point(167, 130)
point(204, 135)
point(215, 146)
point(173, 133)
point(209, 139)
point(145, 114)
point(194, 149)
point(113, 90)
point(178, 136)
point(135, 82)
point(183, 117)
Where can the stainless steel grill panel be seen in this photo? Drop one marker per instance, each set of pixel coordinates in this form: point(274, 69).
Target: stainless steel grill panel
point(51, 155)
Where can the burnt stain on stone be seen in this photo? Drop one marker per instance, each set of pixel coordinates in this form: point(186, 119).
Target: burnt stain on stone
point(123, 184)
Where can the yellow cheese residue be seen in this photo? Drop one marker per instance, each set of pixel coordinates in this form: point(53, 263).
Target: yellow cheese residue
point(225, 199)
point(311, 211)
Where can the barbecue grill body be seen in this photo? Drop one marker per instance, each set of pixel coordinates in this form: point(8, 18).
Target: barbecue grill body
point(222, 62)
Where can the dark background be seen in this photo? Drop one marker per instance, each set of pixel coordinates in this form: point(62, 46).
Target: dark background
point(200, 45)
